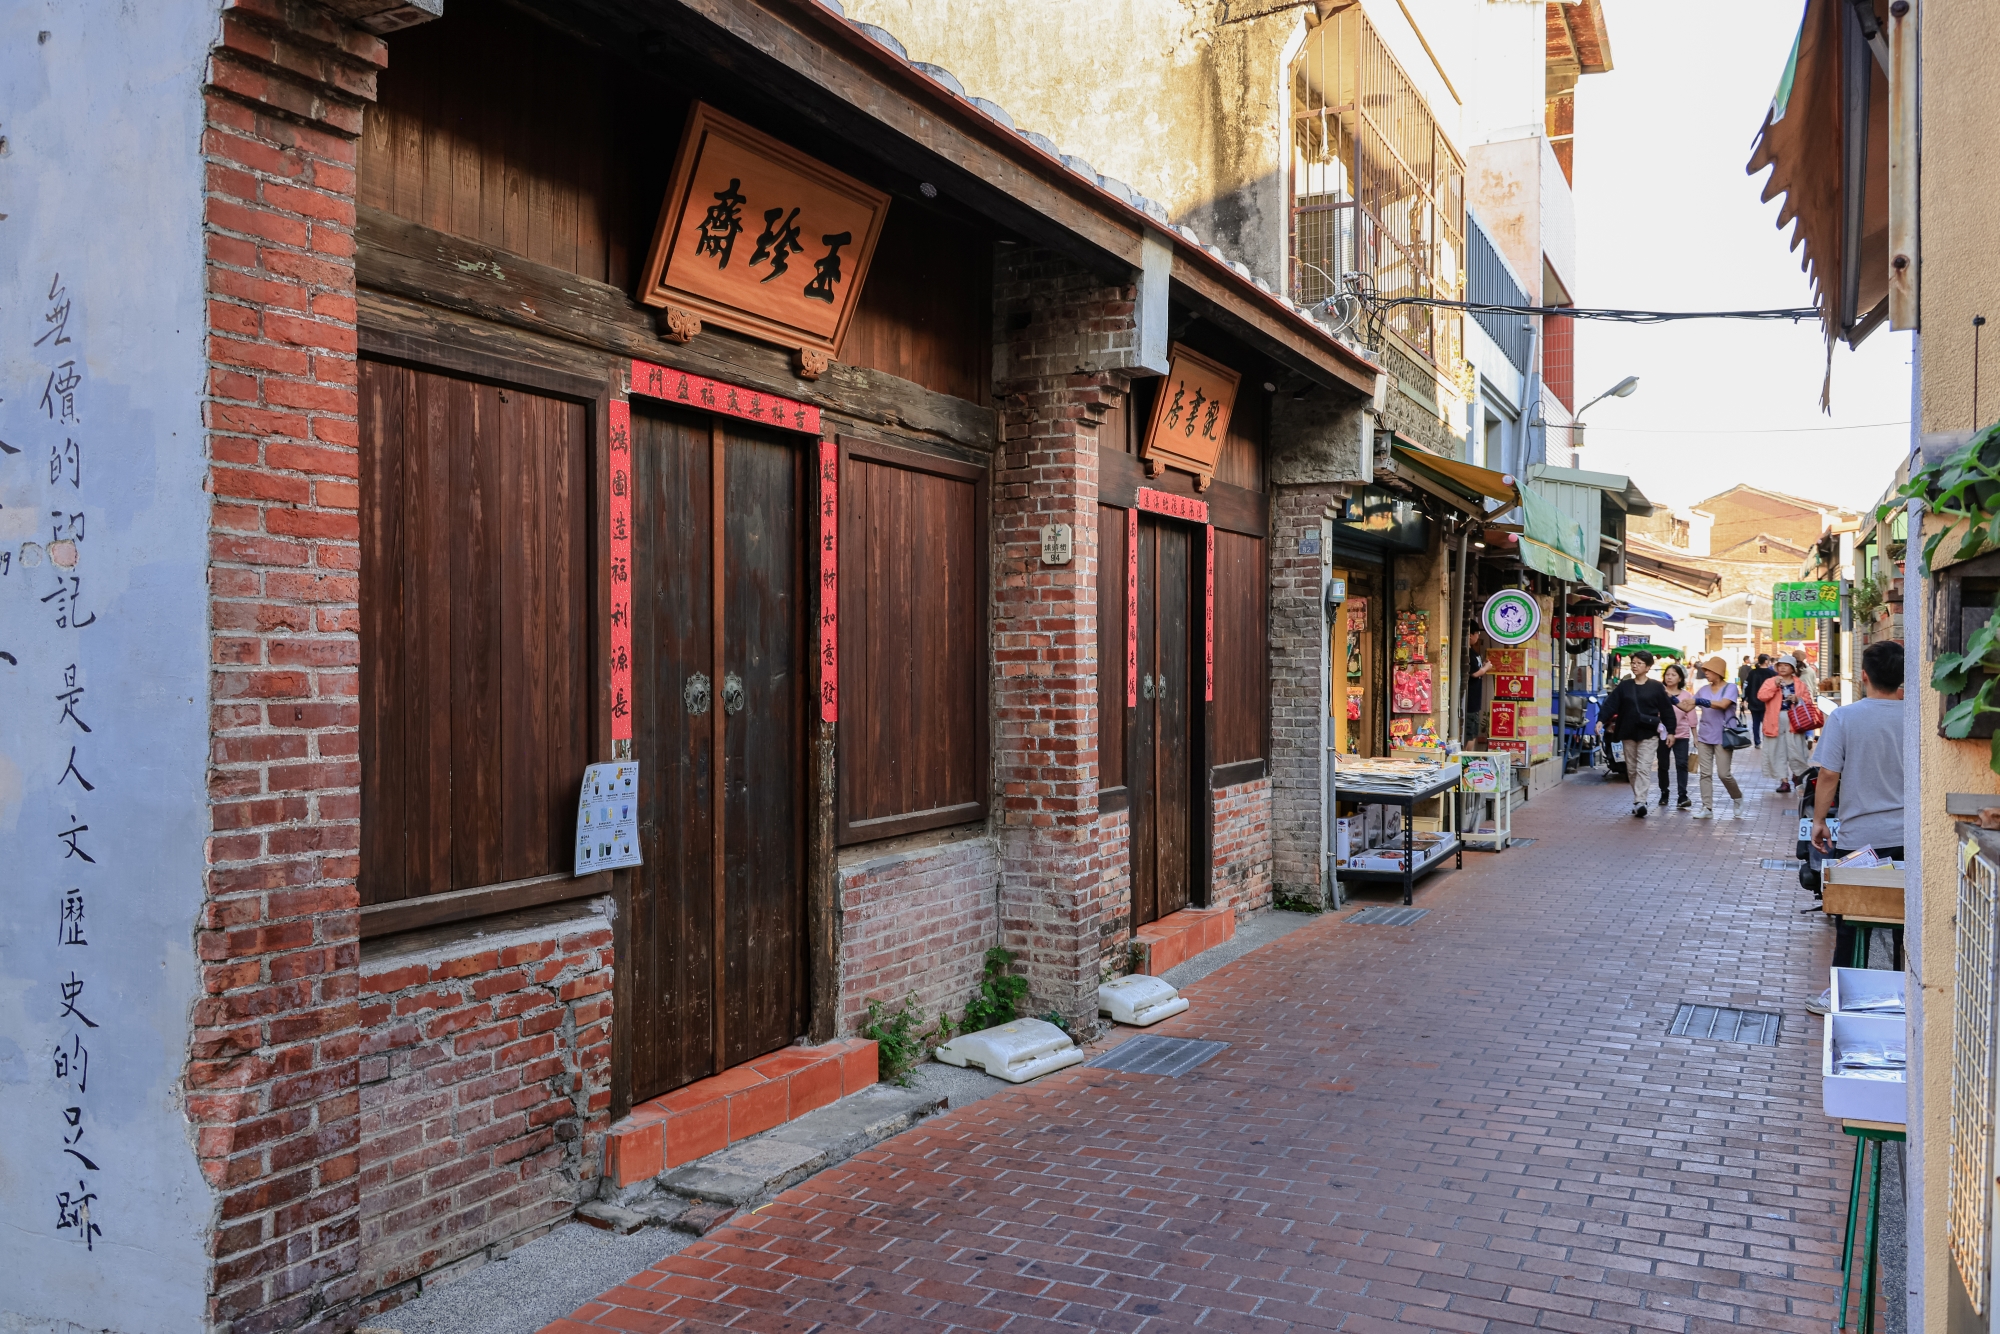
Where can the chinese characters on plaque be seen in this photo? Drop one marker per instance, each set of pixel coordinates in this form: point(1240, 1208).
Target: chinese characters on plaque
point(1191, 416)
point(607, 818)
point(757, 237)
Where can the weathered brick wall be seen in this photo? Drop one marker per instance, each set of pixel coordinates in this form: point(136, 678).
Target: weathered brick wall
point(1062, 328)
point(1114, 891)
point(1298, 635)
point(485, 1095)
point(272, 1076)
point(916, 921)
point(1243, 847)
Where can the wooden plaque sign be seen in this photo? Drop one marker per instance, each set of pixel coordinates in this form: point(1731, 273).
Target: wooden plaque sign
point(757, 237)
point(1190, 416)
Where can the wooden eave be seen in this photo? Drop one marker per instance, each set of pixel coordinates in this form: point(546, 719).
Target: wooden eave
point(854, 86)
point(1576, 35)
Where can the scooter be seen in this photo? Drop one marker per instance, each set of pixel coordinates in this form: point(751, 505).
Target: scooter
point(1810, 857)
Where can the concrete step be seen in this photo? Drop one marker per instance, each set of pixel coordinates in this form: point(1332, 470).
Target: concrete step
point(701, 1195)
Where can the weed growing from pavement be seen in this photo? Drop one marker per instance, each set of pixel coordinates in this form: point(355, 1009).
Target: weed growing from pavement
point(901, 1043)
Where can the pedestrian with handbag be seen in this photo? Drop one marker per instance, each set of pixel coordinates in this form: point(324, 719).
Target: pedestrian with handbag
point(1636, 717)
point(1789, 714)
point(1680, 722)
point(1718, 734)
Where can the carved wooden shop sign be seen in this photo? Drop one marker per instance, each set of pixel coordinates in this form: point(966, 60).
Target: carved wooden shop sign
point(1190, 416)
point(757, 237)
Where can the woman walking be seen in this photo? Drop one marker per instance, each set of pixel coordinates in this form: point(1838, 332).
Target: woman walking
point(1715, 703)
point(1674, 752)
point(1785, 757)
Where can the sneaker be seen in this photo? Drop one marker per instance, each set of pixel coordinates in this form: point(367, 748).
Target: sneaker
point(1639, 812)
point(1821, 1003)
point(1686, 805)
point(1736, 811)
point(1704, 813)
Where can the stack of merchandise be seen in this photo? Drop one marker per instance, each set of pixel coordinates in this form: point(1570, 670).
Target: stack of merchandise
point(1410, 687)
point(1375, 773)
point(1372, 840)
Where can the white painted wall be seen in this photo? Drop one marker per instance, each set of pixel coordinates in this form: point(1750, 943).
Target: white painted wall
point(1506, 99)
point(101, 183)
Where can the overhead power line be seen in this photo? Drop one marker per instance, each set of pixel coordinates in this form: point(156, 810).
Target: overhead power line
point(1594, 428)
point(1794, 314)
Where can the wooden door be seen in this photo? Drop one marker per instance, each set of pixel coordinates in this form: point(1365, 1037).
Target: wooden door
point(718, 624)
point(1164, 728)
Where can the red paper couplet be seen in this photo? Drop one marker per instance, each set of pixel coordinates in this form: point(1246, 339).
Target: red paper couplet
point(621, 570)
point(829, 582)
point(1131, 609)
point(729, 400)
point(1208, 622)
point(1174, 507)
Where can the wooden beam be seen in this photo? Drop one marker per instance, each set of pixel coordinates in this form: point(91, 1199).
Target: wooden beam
point(419, 265)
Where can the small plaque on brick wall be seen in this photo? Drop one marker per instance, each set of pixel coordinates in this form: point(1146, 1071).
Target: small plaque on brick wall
point(1056, 543)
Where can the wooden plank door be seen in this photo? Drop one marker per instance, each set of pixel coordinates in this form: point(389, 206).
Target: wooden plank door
point(1163, 768)
point(717, 528)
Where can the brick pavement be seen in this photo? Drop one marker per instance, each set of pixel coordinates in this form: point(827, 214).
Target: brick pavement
point(1476, 1123)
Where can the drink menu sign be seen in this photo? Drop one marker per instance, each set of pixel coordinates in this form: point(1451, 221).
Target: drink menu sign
point(757, 237)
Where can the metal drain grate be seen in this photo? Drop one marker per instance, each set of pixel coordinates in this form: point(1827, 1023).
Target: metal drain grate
point(1759, 1028)
point(1521, 843)
point(1151, 1055)
point(1387, 914)
point(1781, 863)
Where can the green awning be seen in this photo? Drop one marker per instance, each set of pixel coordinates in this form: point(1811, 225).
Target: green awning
point(1553, 543)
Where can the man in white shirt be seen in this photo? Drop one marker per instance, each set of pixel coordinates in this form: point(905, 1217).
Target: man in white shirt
point(1860, 759)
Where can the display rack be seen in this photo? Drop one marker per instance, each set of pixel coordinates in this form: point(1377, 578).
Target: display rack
point(1444, 783)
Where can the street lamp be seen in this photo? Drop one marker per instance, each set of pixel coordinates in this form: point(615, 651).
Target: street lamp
point(1623, 389)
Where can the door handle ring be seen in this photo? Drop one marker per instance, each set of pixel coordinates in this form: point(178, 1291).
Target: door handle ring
point(695, 694)
point(732, 694)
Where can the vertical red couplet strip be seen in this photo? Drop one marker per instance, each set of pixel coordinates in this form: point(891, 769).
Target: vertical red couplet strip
point(829, 581)
point(621, 572)
point(1132, 609)
point(1208, 621)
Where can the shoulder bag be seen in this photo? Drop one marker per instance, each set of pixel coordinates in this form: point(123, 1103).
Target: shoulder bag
point(1735, 736)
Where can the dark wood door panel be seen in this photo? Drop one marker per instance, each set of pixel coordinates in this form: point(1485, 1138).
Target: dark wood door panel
point(764, 698)
point(1175, 683)
point(673, 635)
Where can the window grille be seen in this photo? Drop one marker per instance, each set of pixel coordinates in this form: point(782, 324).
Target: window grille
point(1377, 189)
point(1970, 1189)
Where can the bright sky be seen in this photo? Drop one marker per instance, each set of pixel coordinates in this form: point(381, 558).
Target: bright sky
point(1668, 220)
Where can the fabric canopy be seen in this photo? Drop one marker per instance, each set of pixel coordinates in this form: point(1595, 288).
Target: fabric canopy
point(1552, 542)
point(1468, 479)
point(1629, 615)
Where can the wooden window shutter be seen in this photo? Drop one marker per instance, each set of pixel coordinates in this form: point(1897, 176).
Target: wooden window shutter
point(913, 642)
point(1242, 693)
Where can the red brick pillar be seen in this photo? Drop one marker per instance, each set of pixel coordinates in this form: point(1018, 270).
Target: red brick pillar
point(1062, 327)
point(272, 1074)
point(1300, 730)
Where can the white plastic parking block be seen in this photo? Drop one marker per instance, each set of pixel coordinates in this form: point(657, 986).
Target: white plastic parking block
point(1016, 1052)
point(1139, 1000)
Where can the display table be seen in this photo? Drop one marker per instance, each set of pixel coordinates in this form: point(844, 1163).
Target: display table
point(1866, 1134)
point(1357, 789)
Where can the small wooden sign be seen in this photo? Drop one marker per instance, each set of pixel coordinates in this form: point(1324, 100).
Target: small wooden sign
point(1191, 416)
point(757, 237)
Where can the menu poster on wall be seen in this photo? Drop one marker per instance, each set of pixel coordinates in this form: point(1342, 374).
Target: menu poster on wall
point(607, 818)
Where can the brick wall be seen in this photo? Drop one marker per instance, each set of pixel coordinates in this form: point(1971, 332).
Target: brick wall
point(1243, 847)
point(485, 1095)
point(1298, 639)
point(271, 1080)
point(916, 921)
point(1114, 891)
point(1061, 327)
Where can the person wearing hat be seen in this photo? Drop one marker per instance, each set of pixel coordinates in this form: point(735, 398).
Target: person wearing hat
point(1715, 705)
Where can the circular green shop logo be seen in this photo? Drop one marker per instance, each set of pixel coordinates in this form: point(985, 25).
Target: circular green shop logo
point(1511, 617)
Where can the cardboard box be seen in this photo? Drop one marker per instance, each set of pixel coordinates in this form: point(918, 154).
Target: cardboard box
point(1853, 1097)
point(1874, 892)
point(1349, 836)
point(1855, 988)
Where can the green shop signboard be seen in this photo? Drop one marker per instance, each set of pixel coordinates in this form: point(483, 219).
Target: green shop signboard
point(1818, 600)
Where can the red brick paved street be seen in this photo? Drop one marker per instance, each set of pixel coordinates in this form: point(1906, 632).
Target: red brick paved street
point(1476, 1123)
